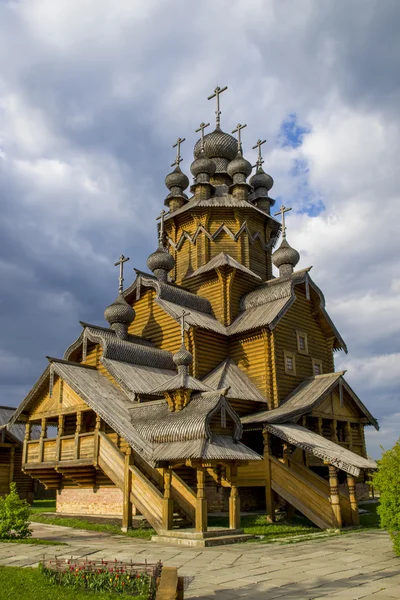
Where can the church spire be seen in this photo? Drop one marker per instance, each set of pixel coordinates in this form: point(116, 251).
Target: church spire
point(119, 314)
point(176, 181)
point(261, 182)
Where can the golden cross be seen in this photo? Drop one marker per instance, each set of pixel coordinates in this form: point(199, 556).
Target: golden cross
point(282, 212)
point(122, 259)
point(216, 95)
point(202, 128)
point(238, 130)
point(182, 319)
point(161, 232)
point(260, 159)
point(178, 159)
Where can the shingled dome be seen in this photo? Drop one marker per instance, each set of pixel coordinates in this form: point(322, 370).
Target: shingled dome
point(119, 312)
point(221, 147)
point(285, 258)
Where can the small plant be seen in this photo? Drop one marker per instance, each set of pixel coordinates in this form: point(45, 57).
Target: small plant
point(387, 481)
point(105, 576)
point(14, 516)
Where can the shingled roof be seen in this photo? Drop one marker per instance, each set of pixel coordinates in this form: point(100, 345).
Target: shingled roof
point(321, 447)
point(305, 398)
point(222, 260)
point(17, 431)
point(228, 375)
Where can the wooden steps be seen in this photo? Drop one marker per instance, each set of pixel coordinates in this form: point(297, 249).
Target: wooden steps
point(192, 538)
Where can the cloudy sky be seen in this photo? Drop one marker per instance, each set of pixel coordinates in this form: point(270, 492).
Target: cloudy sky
point(93, 93)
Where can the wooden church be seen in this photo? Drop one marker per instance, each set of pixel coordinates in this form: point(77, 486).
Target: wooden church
point(214, 385)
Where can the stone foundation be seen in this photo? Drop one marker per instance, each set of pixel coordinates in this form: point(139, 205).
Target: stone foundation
point(90, 501)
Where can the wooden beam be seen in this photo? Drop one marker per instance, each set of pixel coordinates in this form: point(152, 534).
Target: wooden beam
point(168, 504)
point(12, 458)
point(127, 504)
point(234, 500)
point(269, 495)
point(77, 432)
point(201, 501)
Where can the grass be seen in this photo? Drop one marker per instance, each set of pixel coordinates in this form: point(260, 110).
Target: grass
point(28, 584)
point(40, 506)
point(258, 525)
point(33, 541)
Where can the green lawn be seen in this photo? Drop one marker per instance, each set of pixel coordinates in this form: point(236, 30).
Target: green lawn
point(40, 506)
point(34, 541)
point(257, 525)
point(372, 518)
point(30, 584)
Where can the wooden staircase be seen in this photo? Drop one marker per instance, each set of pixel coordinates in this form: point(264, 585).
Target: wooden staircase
point(146, 490)
point(308, 493)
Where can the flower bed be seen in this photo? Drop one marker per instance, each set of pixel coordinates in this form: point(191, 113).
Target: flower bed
point(129, 578)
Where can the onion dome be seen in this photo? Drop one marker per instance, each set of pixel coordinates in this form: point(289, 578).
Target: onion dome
point(160, 263)
point(239, 166)
point(183, 358)
point(261, 180)
point(285, 258)
point(202, 168)
point(221, 147)
point(176, 182)
point(120, 315)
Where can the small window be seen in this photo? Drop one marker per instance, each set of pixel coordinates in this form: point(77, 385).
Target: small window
point(317, 366)
point(290, 363)
point(302, 342)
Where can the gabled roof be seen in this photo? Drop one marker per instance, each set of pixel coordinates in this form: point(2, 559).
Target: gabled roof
point(16, 432)
point(137, 379)
point(194, 319)
point(220, 447)
point(268, 303)
point(305, 398)
point(228, 375)
point(126, 351)
point(221, 260)
point(322, 448)
point(180, 381)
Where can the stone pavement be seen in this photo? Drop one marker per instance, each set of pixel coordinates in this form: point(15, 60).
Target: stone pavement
point(349, 567)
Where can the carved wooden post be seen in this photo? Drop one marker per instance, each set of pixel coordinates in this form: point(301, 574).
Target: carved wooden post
point(353, 499)
point(127, 504)
point(77, 432)
point(96, 440)
point(27, 437)
point(290, 510)
point(335, 499)
point(12, 457)
point(43, 434)
point(269, 497)
point(168, 504)
point(201, 501)
point(60, 433)
point(234, 500)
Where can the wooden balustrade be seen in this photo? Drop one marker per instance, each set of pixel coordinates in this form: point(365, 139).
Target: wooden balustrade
point(61, 448)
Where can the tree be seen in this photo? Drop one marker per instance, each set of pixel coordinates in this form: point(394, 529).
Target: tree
point(387, 481)
point(14, 516)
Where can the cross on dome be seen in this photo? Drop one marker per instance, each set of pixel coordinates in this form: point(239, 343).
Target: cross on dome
point(282, 212)
point(177, 145)
point(122, 259)
point(161, 232)
point(182, 320)
point(238, 130)
point(260, 159)
point(201, 128)
point(216, 95)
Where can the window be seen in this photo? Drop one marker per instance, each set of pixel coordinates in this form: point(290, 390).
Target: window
point(290, 363)
point(317, 366)
point(302, 342)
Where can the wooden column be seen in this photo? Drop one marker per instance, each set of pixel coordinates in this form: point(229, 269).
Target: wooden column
point(362, 436)
point(269, 495)
point(355, 518)
point(77, 432)
point(12, 458)
point(27, 437)
point(320, 427)
point(168, 504)
point(96, 440)
point(335, 499)
point(43, 433)
point(127, 504)
point(290, 509)
point(234, 500)
point(201, 501)
point(60, 433)
point(349, 436)
point(334, 430)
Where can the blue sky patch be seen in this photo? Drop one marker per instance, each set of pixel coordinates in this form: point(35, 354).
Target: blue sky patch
point(291, 133)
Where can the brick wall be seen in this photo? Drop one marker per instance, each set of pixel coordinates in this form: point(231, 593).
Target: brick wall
point(90, 501)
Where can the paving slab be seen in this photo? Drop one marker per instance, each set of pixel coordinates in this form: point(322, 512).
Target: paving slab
point(357, 566)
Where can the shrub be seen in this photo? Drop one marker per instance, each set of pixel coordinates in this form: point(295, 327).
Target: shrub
point(14, 516)
point(387, 481)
